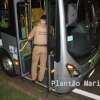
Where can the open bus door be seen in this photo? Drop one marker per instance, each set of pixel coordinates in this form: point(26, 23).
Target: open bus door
point(38, 8)
point(23, 14)
point(28, 14)
point(60, 43)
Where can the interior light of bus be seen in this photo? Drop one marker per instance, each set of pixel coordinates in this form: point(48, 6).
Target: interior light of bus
point(72, 70)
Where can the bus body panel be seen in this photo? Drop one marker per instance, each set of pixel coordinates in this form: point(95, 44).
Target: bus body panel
point(10, 45)
point(63, 81)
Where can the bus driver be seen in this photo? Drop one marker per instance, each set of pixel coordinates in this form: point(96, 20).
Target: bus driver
point(38, 35)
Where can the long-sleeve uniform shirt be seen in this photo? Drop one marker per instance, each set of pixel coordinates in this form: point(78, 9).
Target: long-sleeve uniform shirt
point(39, 34)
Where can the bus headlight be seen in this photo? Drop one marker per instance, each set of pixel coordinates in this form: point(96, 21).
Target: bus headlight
point(16, 62)
point(72, 70)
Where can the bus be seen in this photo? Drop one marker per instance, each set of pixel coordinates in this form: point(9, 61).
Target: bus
point(73, 40)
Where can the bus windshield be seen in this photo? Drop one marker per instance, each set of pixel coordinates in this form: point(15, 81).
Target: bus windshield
point(81, 25)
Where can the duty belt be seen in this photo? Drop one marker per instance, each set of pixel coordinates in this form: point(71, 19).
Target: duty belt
point(39, 44)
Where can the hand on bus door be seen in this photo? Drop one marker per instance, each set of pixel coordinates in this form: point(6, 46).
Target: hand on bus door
point(32, 33)
point(29, 38)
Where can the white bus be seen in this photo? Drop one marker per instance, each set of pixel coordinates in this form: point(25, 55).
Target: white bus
point(73, 43)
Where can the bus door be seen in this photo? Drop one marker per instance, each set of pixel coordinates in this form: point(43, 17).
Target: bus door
point(54, 43)
point(23, 12)
point(24, 20)
point(39, 8)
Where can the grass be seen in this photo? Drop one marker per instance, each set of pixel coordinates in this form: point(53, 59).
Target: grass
point(8, 92)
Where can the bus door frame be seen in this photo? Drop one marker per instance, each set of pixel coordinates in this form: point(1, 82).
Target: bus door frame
point(17, 32)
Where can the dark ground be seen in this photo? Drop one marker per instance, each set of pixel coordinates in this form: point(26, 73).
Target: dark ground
point(42, 93)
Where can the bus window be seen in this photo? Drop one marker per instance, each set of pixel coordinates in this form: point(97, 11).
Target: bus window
point(80, 28)
point(22, 9)
point(7, 21)
point(37, 10)
point(97, 7)
point(4, 14)
point(38, 4)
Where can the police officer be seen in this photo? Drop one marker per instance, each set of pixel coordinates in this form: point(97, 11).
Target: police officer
point(39, 54)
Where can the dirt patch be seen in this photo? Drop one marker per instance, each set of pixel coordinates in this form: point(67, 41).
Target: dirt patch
point(29, 88)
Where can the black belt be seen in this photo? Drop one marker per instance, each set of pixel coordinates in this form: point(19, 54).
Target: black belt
point(39, 45)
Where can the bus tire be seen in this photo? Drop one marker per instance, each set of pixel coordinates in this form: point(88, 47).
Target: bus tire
point(8, 66)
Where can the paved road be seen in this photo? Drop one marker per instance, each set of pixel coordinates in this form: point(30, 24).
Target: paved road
point(42, 94)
